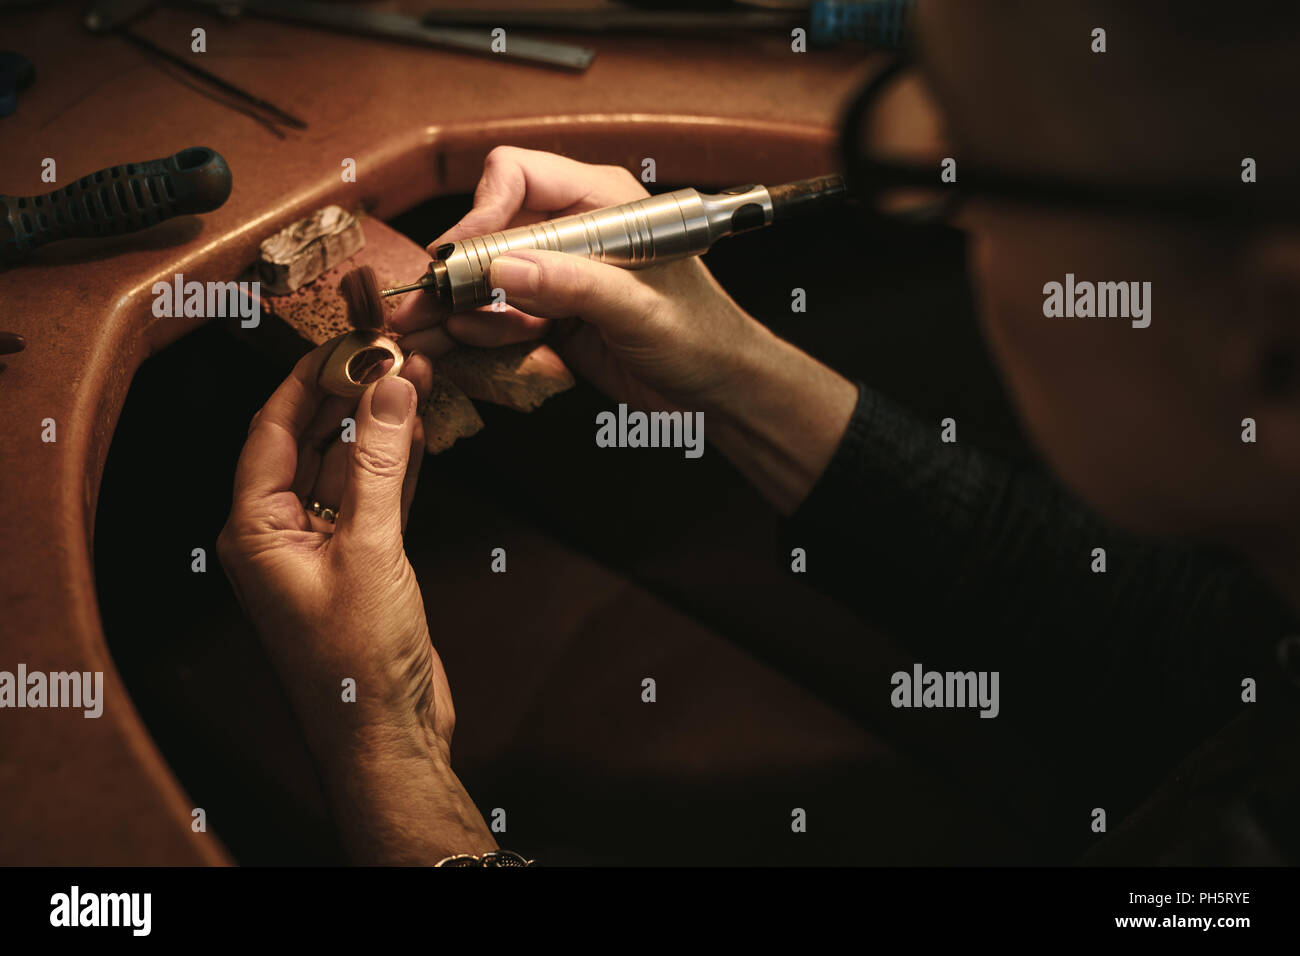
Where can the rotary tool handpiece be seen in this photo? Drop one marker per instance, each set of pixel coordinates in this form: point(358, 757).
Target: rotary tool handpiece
point(633, 235)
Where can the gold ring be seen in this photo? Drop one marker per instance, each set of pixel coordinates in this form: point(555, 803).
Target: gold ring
point(320, 511)
point(339, 373)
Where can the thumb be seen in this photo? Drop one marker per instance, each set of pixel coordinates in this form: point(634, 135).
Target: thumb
point(557, 285)
point(370, 511)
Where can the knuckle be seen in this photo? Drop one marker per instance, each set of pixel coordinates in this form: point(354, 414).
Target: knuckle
point(380, 462)
point(447, 721)
point(503, 165)
point(565, 272)
point(585, 286)
point(226, 545)
point(501, 154)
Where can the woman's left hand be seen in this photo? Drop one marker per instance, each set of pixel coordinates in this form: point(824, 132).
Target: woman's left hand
point(340, 613)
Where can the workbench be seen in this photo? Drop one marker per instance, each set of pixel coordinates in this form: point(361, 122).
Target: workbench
point(418, 122)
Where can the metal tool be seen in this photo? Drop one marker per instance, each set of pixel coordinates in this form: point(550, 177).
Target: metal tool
point(116, 16)
point(397, 26)
point(115, 201)
point(614, 19)
point(880, 23)
point(634, 235)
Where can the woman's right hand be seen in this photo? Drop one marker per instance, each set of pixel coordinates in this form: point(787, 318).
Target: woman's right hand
point(659, 338)
point(664, 338)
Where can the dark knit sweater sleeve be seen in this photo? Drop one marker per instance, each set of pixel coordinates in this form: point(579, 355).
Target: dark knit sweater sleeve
point(963, 557)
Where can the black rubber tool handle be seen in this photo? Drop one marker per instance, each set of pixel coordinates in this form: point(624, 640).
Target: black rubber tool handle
point(115, 201)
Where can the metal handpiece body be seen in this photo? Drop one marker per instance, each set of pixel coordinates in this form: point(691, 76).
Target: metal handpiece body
point(633, 235)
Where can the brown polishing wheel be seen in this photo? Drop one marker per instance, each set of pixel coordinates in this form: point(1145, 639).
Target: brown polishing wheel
point(360, 290)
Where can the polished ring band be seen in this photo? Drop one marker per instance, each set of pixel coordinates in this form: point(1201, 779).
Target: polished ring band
point(337, 374)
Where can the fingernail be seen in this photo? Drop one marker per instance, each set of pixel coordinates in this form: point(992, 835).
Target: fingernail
point(391, 400)
point(516, 276)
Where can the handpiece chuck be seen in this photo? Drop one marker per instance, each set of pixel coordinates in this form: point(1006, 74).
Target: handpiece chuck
point(426, 283)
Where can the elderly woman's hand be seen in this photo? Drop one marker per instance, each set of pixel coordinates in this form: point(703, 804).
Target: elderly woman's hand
point(340, 613)
point(664, 338)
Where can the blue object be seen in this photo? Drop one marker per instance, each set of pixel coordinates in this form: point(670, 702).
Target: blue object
point(878, 23)
point(16, 73)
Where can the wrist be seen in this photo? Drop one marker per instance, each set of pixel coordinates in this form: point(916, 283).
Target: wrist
point(404, 806)
point(362, 704)
point(782, 418)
